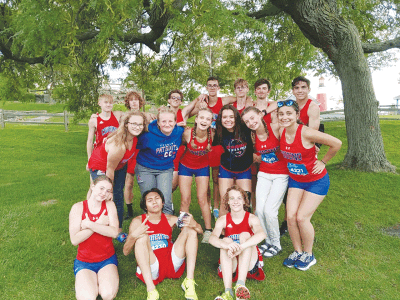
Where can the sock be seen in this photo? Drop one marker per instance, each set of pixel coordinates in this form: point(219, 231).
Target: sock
point(208, 229)
point(241, 282)
point(130, 209)
point(230, 291)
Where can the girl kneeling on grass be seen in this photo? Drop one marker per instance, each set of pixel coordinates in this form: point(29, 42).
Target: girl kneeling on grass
point(92, 225)
point(308, 180)
point(195, 161)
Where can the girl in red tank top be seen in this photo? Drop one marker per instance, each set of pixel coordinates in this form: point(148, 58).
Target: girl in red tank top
point(308, 182)
point(92, 225)
point(195, 161)
point(272, 179)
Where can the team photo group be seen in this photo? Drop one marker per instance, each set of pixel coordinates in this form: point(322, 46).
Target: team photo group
point(247, 157)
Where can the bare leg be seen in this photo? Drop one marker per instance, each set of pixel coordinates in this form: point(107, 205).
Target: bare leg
point(247, 259)
point(202, 184)
point(228, 265)
point(128, 191)
point(145, 258)
point(175, 181)
point(292, 206)
point(186, 246)
point(108, 282)
point(216, 194)
point(185, 186)
point(86, 285)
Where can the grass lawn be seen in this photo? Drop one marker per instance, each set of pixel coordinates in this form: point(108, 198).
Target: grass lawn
point(43, 173)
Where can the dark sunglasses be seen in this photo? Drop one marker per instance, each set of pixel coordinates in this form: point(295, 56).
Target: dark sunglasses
point(286, 102)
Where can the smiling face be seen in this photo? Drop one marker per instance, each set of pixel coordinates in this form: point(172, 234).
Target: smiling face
point(228, 119)
point(153, 202)
point(102, 190)
point(235, 201)
point(262, 91)
point(301, 91)
point(166, 122)
point(175, 100)
point(204, 119)
point(252, 119)
point(287, 116)
point(135, 125)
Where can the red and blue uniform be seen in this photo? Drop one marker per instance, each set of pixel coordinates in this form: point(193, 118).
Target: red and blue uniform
point(161, 244)
point(104, 128)
point(196, 158)
point(181, 150)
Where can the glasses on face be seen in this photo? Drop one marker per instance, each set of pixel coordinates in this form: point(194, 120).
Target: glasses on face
point(212, 86)
point(286, 102)
point(137, 125)
point(175, 98)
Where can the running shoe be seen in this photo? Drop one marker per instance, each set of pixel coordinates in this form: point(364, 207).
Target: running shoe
point(153, 295)
point(216, 213)
point(122, 237)
point(224, 296)
point(188, 285)
point(305, 261)
point(290, 261)
point(206, 236)
point(241, 292)
point(272, 251)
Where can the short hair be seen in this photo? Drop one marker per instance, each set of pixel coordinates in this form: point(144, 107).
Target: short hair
point(130, 95)
point(300, 78)
point(240, 81)
point(165, 109)
point(106, 97)
point(212, 78)
point(143, 199)
point(175, 92)
point(261, 82)
point(235, 187)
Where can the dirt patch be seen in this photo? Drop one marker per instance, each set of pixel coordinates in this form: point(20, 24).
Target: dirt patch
point(393, 231)
point(49, 202)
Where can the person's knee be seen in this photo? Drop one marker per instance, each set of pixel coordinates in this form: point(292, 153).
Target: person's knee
point(142, 241)
point(189, 231)
point(244, 236)
point(108, 293)
point(301, 219)
point(86, 294)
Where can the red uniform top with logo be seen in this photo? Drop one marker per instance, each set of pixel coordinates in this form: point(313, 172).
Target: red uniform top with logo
point(196, 158)
point(233, 231)
point(181, 149)
point(161, 244)
point(300, 161)
point(97, 247)
point(304, 113)
point(272, 161)
point(104, 127)
point(215, 154)
point(98, 160)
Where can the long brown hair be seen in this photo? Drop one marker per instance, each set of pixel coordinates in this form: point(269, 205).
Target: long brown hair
point(239, 131)
point(257, 111)
point(119, 136)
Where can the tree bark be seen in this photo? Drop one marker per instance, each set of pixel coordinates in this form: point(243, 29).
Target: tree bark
point(321, 23)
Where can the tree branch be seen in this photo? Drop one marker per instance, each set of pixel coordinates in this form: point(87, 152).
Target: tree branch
point(268, 10)
point(383, 46)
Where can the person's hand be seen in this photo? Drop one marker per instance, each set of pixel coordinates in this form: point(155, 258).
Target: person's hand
point(95, 116)
point(234, 249)
point(319, 166)
point(86, 223)
point(189, 221)
point(256, 158)
point(181, 124)
point(203, 97)
point(151, 116)
point(103, 219)
point(141, 230)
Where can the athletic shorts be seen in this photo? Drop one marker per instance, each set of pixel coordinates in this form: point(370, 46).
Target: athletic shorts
point(96, 173)
point(95, 267)
point(185, 171)
point(224, 173)
point(319, 187)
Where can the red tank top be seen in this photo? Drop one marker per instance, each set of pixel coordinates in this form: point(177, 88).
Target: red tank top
point(267, 118)
point(300, 161)
point(98, 160)
point(104, 127)
point(179, 117)
point(272, 161)
point(97, 247)
point(239, 110)
point(161, 239)
point(304, 113)
point(215, 109)
point(233, 230)
point(196, 158)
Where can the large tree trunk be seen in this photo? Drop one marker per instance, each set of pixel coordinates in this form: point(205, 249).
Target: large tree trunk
point(339, 39)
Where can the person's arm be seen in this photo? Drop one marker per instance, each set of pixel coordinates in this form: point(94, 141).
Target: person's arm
point(150, 117)
point(313, 136)
point(115, 155)
point(186, 136)
point(191, 223)
point(136, 230)
point(187, 110)
point(228, 100)
point(105, 225)
point(92, 129)
point(214, 238)
point(259, 233)
point(313, 116)
point(273, 106)
point(118, 115)
point(76, 234)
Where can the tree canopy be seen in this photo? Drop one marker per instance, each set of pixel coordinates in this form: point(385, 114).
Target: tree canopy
point(178, 44)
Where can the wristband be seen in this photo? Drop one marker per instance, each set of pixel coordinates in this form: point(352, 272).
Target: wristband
point(323, 162)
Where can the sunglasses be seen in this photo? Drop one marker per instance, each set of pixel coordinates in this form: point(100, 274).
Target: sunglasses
point(175, 98)
point(286, 102)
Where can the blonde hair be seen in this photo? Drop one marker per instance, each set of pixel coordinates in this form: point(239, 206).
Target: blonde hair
point(235, 187)
point(119, 136)
point(209, 140)
point(106, 97)
point(164, 109)
point(241, 81)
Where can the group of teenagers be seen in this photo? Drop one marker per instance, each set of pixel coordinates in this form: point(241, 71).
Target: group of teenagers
point(274, 142)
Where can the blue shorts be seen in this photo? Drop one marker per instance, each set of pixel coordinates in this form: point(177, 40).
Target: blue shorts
point(96, 173)
point(185, 171)
point(224, 173)
point(95, 267)
point(319, 187)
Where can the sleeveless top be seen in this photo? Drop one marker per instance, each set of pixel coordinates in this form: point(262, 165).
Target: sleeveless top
point(104, 127)
point(98, 160)
point(195, 158)
point(272, 161)
point(97, 247)
point(239, 110)
point(161, 238)
point(300, 161)
point(215, 109)
point(233, 230)
point(179, 116)
point(304, 113)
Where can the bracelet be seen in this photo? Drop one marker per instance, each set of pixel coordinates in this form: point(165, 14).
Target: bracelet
point(323, 162)
point(264, 111)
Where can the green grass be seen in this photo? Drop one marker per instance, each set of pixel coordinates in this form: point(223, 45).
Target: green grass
point(356, 260)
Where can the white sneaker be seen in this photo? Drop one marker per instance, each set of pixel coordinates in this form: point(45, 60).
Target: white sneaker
point(206, 236)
